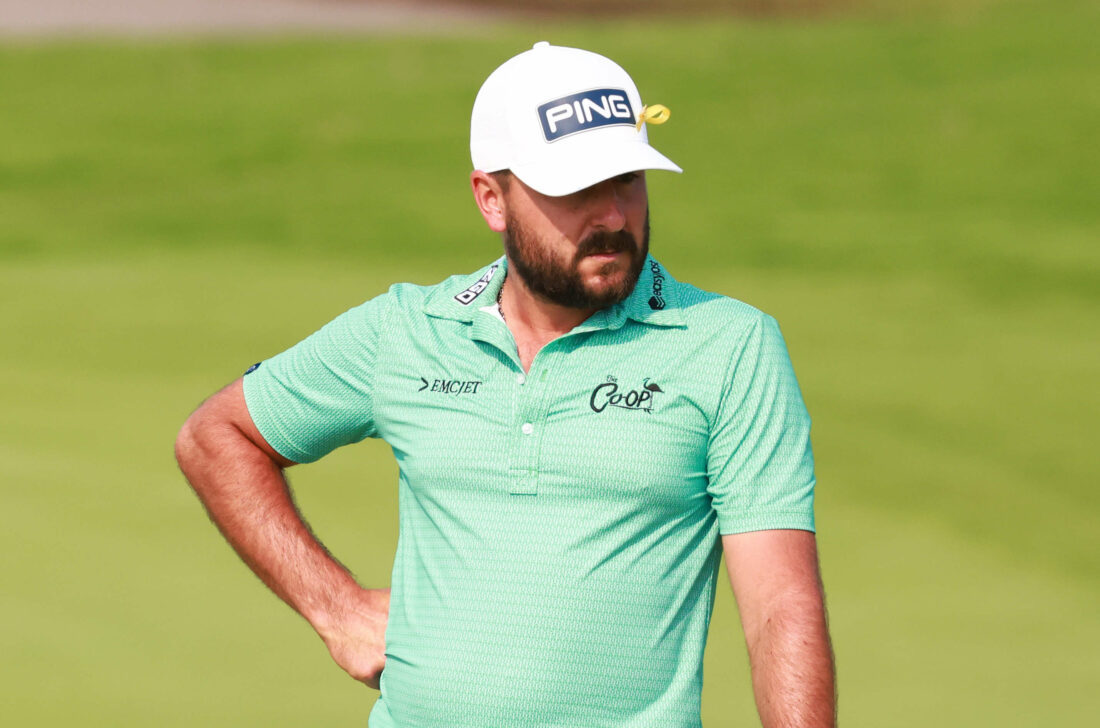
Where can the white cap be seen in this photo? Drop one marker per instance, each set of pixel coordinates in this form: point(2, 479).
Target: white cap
point(561, 119)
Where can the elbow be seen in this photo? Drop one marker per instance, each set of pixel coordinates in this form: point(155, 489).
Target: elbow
point(186, 442)
point(199, 441)
point(793, 612)
point(200, 452)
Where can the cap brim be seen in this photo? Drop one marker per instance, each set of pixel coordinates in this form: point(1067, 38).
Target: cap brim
point(571, 169)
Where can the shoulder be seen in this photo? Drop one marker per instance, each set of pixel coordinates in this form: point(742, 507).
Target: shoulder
point(450, 298)
point(710, 315)
point(706, 308)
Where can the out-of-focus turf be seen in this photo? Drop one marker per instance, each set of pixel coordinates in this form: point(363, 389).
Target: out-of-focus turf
point(914, 199)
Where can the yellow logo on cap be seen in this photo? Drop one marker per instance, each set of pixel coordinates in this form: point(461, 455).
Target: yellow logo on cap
point(654, 114)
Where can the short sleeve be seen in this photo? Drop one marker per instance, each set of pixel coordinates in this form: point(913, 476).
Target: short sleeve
point(317, 396)
point(759, 461)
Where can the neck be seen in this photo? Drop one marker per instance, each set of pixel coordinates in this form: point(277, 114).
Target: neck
point(529, 312)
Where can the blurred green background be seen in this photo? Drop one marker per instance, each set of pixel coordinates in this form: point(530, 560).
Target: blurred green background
point(911, 190)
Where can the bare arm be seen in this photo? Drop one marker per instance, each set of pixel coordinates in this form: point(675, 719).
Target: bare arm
point(775, 578)
point(239, 479)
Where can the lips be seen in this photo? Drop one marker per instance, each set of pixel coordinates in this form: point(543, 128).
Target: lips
point(606, 245)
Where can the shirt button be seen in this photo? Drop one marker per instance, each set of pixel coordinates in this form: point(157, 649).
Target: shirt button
point(520, 379)
point(527, 428)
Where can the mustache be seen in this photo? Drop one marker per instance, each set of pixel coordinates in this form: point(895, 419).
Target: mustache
point(607, 242)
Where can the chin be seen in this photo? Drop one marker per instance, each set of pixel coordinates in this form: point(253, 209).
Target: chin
point(607, 277)
point(609, 289)
point(618, 266)
point(610, 281)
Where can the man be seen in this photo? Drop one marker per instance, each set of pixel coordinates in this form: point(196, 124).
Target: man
point(580, 439)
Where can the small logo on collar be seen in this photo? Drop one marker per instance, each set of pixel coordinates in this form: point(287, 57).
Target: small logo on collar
point(657, 301)
point(470, 294)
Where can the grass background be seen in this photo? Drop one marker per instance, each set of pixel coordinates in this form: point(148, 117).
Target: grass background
point(912, 193)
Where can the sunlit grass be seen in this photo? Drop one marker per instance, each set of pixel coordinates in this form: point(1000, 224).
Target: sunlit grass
point(914, 200)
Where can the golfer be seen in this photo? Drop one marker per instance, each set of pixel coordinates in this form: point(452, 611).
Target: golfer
point(580, 436)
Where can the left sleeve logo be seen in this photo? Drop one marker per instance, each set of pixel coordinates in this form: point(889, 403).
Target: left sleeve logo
point(585, 111)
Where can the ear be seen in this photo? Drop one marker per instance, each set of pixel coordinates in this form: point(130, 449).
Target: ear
point(489, 198)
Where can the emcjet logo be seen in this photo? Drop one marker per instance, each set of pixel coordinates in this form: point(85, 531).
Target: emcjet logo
point(449, 386)
point(584, 111)
point(467, 297)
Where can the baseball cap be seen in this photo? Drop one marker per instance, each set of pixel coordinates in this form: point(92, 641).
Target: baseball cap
point(562, 119)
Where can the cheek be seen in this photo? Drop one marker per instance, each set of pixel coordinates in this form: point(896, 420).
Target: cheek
point(555, 251)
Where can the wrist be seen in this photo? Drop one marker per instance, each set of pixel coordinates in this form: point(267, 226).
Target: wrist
point(344, 613)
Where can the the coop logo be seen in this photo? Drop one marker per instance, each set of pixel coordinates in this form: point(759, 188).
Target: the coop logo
point(610, 394)
point(584, 111)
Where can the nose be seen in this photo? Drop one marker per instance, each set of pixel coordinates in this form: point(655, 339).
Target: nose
point(609, 207)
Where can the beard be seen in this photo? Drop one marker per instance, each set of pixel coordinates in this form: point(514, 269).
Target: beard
point(560, 282)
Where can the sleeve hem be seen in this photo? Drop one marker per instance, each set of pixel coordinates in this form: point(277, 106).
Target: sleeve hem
point(796, 520)
point(269, 432)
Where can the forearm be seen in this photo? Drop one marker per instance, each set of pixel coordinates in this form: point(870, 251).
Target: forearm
point(793, 672)
point(247, 497)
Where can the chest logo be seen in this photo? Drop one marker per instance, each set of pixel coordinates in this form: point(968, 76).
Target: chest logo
point(449, 386)
point(610, 394)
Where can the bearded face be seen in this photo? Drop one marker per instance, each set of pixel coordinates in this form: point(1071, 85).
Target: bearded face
point(556, 275)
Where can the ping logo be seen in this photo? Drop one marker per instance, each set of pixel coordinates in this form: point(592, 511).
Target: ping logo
point(585, 111)
point(467, 297)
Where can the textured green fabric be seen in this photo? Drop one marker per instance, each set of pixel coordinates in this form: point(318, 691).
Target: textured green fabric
point(558, 548)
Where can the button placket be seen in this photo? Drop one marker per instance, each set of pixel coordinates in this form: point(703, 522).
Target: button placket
point(523, 473)
point(533, 400)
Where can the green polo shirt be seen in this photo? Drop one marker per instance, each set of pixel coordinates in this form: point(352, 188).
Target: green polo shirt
point(558, 548)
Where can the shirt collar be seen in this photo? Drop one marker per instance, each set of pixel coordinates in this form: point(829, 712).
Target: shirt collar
point(655, 299)
point(460, 297)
